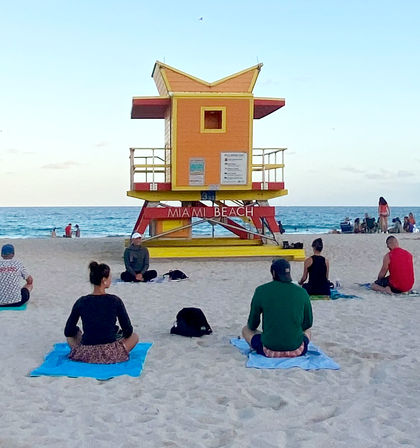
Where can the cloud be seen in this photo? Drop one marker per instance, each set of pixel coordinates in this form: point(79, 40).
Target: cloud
point(101, 144)
point(404, 173)
point(19, 151)
point(386, 175)
point(352, 169)
point(61, 165)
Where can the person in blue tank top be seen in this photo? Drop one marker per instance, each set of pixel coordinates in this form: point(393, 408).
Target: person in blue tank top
point(317, 267)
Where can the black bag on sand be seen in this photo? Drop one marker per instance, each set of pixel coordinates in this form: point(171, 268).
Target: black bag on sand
point(191, 322)
point(176, 274)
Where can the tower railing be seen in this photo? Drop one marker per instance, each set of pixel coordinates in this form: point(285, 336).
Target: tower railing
point(268, 165)
point(151, 165)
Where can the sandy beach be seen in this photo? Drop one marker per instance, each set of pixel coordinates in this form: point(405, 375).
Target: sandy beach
point(197, 392)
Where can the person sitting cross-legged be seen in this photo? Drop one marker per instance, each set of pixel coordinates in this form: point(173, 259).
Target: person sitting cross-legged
point(12, 274)
point(102, 342)
point(136, 260)
point(317, 267)
point(286, 316)
point(399, 263)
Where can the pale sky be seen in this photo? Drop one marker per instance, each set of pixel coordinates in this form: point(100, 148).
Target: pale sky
point(349, 71)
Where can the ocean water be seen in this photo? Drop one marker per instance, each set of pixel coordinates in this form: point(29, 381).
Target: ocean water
point(37, 222)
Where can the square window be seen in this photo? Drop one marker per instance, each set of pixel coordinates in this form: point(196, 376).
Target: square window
point(213, 119)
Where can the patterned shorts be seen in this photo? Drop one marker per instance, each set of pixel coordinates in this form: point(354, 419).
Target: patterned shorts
point(100, 354)
point(257, 345)
point(285, 354)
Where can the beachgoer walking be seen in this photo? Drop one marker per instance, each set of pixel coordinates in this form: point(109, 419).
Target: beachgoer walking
point(67, 231)
point(77, 232)
point(399, 263)
point(53, 233)
point(383, 212)
point(317, 267)
point(100, 342)
point(11, 274)
point(286, 316)
point(136, 260)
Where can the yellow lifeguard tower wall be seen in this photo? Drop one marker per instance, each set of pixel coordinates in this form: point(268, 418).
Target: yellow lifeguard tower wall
point(207, 126)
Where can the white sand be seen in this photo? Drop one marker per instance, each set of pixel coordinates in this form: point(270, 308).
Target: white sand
point(197, 392)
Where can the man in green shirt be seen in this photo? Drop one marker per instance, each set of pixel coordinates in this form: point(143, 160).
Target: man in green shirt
point(286, 316)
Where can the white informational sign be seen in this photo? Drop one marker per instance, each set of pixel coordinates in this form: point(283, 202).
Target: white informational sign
point(233, 168)
point(197, 166)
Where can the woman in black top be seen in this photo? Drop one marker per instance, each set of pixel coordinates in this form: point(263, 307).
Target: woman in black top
point(318, 268)
point(100, 342)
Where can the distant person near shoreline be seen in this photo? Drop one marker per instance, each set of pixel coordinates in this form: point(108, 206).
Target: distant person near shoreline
point(67, 231)
point(383, 212)
point(54, 233)
point(77, 231)
point(412, 221)
point(11, 274)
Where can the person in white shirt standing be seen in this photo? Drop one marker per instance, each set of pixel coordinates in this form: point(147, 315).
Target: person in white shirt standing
point(11, 274)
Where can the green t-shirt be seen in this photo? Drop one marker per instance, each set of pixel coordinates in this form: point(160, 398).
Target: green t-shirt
point(287, 312)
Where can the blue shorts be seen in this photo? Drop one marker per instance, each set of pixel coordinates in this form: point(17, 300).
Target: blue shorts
point(257, 345)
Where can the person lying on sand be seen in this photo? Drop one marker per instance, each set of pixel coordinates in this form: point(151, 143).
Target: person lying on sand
point(286, 316)
point(399, 263)
point(11, 274)
point(100, 342)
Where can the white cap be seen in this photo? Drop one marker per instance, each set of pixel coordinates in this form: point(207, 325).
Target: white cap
point(136, 235)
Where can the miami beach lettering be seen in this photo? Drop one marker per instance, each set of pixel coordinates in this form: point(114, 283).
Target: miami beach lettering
point(210, 212)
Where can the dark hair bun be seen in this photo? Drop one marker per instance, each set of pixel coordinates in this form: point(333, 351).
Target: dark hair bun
point(318, 244)
point(98, 272)
point(93, 265)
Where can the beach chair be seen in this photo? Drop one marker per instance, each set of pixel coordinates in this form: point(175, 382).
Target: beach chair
point(371, 225)
point(346, 227)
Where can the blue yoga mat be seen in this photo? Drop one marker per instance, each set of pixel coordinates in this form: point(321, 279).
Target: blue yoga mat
point(14, 308)
point(412, 293)
point(314, 359)
point(335, 294)
point(57, 363)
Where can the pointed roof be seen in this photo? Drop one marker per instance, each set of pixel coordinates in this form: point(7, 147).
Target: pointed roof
point(169, 79)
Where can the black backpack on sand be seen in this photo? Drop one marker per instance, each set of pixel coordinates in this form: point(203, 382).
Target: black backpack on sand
point(176, 274)
point(191, 322)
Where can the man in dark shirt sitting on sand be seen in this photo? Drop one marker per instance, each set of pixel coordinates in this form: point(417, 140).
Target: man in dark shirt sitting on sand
point(399, 263)
point(136, 260)
point(286, 316)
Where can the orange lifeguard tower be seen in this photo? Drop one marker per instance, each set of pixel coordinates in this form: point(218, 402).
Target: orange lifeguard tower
point(209, 166)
